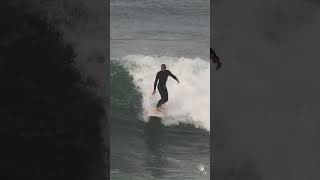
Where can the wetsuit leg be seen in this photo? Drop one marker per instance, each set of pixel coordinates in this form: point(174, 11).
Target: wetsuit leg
point(164, 95)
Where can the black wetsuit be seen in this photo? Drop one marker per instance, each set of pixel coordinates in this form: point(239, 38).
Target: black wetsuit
point(162, 76)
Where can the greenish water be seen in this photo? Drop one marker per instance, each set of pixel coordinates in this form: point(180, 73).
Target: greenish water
point(150, 33)
point(150, 150)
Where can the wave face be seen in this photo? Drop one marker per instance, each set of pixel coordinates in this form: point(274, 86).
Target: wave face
point(189, 101)
point(143, 35)
point(146, 148)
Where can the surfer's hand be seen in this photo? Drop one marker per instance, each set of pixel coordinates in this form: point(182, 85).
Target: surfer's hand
point(178, 80)
point(153, 92)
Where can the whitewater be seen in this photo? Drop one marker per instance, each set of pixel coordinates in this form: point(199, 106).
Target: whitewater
point(189, 101)
point(144, 35)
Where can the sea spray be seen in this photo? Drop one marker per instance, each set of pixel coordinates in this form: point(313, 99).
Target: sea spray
point(189, 101)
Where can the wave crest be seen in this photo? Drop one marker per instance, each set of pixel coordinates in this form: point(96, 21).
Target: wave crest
point(189, 101)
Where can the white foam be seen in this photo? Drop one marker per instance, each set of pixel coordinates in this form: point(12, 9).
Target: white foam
point(189, 101)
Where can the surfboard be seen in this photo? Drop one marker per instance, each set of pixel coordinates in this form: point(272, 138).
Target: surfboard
point(154, 113)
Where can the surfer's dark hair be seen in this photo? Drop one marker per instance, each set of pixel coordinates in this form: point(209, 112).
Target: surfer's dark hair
point(163, 65)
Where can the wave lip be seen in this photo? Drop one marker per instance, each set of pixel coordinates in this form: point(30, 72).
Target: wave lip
point(189, 101)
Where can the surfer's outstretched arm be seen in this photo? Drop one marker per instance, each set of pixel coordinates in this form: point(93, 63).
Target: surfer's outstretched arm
point(173, 76)
point(155, 83)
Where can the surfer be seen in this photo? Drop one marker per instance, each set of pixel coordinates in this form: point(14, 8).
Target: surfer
point(162, 76)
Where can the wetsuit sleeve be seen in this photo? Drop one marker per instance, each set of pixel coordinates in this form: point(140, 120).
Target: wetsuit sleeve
point(156, 81)
point(173, 76)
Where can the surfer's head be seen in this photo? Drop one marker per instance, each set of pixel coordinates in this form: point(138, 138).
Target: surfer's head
point(163, 67)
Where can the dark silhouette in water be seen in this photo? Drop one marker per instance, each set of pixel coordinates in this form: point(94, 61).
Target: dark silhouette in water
point(155, 140)
point(153, 132)
point(215, 59)
point(50, 119)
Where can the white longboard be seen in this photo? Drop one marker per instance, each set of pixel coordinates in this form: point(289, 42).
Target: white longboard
point(154, 113)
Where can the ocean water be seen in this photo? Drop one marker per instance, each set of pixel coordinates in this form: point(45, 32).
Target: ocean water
point(145, 34)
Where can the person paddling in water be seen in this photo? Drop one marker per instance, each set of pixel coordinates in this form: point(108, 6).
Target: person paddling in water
point(162, 76)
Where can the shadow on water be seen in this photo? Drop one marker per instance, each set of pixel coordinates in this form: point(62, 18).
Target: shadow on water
point(154, 139)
